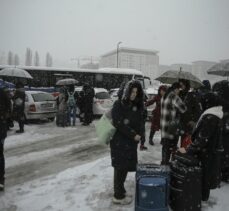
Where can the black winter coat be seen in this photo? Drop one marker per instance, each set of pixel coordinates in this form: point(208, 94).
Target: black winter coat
point(193, 111)
point(19, 102)
point(207, 147)
point(225, 140)
point(4, 111)
point(128, 119)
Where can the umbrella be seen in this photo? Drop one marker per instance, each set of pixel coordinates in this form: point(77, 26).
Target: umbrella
point(15, 72)
point(66, 81)
point(221, 69)
point(171, 76)
point(6, 84)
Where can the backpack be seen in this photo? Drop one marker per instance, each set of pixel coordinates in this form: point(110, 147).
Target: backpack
point(71, 99)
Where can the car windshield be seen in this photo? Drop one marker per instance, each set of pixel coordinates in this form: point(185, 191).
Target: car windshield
point(102, 95)
point(39, 97)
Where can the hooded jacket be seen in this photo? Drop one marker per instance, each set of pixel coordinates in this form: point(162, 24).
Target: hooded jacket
point(207, 145)
point(128, 119)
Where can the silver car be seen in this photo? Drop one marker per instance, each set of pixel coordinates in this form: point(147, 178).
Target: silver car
point(40, 105)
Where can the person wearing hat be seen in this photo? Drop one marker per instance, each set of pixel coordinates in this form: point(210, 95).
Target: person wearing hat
point(171, 107)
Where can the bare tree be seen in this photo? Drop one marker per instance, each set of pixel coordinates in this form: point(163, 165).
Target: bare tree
point(16, 60)
point(48, 60)
point(3, 58)
point(28, 57)
point(10, 58)
point(36, 59)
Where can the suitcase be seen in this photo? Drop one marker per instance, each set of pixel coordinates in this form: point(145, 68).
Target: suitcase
point(62, 119)
point(185, 187)
point(152, 187)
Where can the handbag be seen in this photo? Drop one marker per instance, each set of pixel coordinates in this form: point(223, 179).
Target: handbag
point(104, 129)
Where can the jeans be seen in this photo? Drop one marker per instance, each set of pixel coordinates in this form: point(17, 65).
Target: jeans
point(72, 111)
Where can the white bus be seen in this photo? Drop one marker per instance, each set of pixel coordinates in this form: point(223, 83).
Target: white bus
point(104, 77)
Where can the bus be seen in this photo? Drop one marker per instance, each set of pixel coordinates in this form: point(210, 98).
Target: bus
point(107, 78)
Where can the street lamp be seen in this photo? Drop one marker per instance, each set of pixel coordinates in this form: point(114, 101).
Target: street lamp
point(117, 51)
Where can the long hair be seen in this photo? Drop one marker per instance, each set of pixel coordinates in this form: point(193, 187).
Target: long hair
point(139, 101)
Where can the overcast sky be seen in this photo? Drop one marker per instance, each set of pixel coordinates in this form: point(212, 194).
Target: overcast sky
point(181, 30)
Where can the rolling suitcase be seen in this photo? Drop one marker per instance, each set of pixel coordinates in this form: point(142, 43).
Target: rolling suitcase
point(185, 187)
point(152, 187)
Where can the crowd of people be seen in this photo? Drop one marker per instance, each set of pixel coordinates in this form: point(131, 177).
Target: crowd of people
point(180, 113)
point(200, 114)
point(71, 103)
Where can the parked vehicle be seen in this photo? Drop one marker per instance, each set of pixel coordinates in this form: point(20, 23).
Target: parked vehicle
point(40, 105)
point(102, 101)
point(114, 94)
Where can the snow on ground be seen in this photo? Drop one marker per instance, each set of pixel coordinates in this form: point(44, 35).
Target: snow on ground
point(87, 187)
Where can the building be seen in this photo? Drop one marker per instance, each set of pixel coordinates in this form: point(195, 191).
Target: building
point(184, 67)
point(147, 61)
point(199, 69)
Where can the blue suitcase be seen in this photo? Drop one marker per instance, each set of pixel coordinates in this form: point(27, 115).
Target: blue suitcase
point(152, 187)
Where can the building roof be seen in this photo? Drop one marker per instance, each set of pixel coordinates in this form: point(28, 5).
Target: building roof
point(131, 50)
point(203, 62)
point(69, 70)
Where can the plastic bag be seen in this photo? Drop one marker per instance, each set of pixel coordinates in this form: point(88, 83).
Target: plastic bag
point(104, 129)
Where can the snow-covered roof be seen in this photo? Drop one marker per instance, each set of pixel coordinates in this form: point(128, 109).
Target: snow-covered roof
point(101, 70)
point(131, 50)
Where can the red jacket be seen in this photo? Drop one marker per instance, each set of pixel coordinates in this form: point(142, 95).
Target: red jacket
point(156, 113)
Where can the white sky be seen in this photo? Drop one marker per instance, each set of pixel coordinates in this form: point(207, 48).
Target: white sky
point(181, 30)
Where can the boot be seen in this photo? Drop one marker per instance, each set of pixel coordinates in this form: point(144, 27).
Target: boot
point(20, 131)
point(151, 142)
point(142, 147)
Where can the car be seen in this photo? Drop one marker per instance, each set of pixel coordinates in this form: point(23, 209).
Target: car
point(114, 94)
point(151, 93)
point(102, 101)
point(40, 105)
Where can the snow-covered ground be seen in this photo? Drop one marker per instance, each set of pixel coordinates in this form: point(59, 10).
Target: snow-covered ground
point(85, 186)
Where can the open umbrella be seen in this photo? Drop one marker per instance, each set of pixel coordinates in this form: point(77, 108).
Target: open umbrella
point(15, 72)
point(221, 69)
point(171, 76)
point(66, 81)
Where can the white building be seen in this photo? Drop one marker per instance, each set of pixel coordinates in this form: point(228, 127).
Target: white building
point(147, 61)
point(199, 69)
point(184, 67)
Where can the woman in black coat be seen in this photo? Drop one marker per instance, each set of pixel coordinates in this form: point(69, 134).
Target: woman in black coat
point(127, 115)
point(206, 144)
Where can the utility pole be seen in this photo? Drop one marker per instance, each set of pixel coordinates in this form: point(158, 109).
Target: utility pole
point(118, 51)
